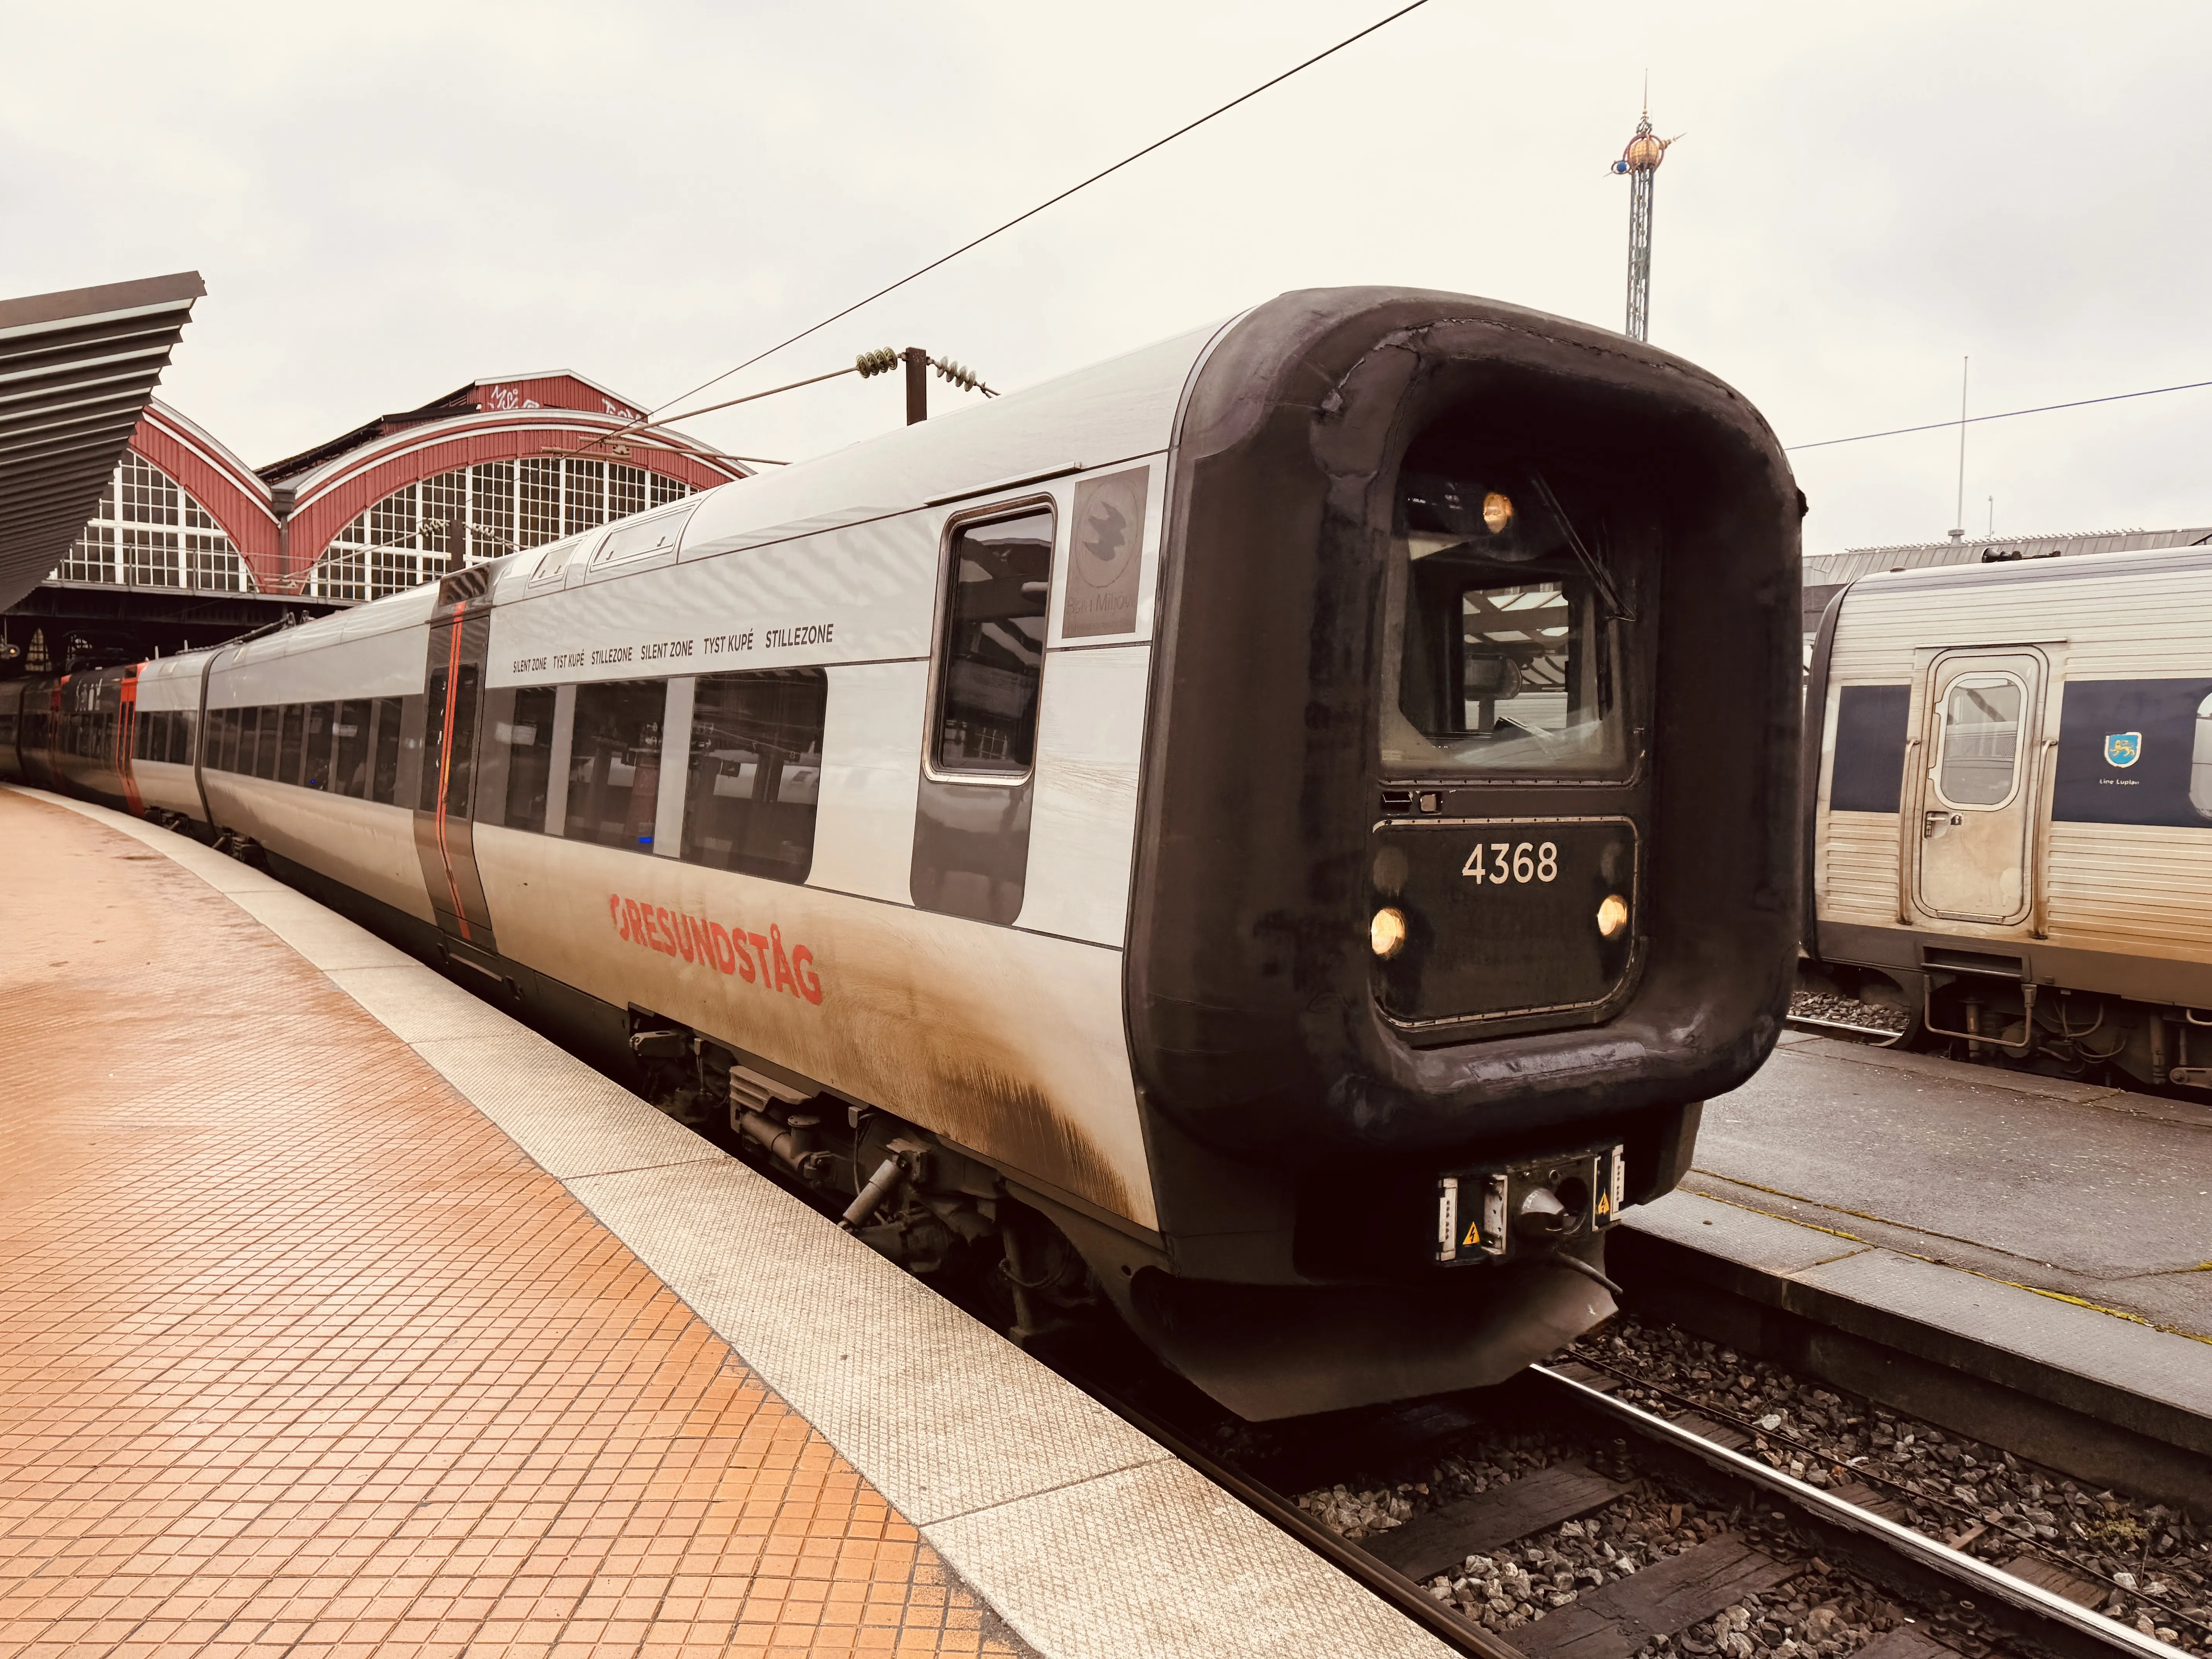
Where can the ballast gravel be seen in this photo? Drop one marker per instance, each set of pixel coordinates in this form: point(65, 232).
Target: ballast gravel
point(1845, 1011)
point(2157, 1563)
point(2154, 1565)
point(1821, 1612)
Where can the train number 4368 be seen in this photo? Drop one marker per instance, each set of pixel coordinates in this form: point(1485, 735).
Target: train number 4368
point(1507, 862)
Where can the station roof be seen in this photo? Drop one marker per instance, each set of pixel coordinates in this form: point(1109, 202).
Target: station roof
point(77, 371)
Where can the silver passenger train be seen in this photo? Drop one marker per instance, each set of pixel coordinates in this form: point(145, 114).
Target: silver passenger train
point(1278, 832)
point(2008, 810)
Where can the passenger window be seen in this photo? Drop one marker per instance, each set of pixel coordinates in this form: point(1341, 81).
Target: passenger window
point(229, 724)
point(2200, 762)
point(524, 736)
point(321, 717)
point(289, 756)
point(181, 733)
point(756, 772)
point(349, 751)
point(1980, 739)
point(992, 661)
point(384, 784)
point(614, 762)
point(265, 741)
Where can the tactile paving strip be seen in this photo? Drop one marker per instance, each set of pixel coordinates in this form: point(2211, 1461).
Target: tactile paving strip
point(298, 1352)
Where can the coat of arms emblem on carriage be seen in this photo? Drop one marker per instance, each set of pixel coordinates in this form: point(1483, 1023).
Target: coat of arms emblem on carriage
point(2123, 748)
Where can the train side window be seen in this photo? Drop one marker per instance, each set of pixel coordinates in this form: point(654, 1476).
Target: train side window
point(292, 748)
point(349, 750)
point(186, 727)
point(519, 759)
point(316, 770)
point(756, 772)
point(1980, 739)
point(384, 784)
point(991, 662)
point(141, 734)
point(257, 750)
point(223, 747)
point(2200, 762)
point(268, 751)
point(614, 762)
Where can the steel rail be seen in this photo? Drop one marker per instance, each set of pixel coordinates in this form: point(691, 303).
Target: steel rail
point(2052, 1624)
point(1385, 1582)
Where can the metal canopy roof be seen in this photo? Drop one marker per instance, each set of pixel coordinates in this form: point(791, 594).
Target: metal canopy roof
point(76, 369)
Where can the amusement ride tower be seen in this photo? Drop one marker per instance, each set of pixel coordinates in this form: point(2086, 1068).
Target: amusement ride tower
point(1640, 161)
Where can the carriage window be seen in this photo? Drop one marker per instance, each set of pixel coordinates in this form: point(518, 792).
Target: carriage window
point(2200, 762)
point(183, 726)
point(522, 748)
point(384, 785)
point(265, 742)
point(321, 718)
point(993, 650)
point(756, 772)
point(1980, 739)
point(614, 762)
point(349, 751)
point(1503, 652)
point(289, 756)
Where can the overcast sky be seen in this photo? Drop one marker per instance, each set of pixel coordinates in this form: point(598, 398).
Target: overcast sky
point(389, 200)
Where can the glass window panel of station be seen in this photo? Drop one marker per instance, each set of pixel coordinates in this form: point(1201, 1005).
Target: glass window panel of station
point(992, 659)
point(491, 509)
point(343, 571)
point(614, 762)
point(92, 557)
point(538, 502)
point(756, 772)
point(586, 507)
point(666, 489)
point(148, 496)
point(441, 533)
point(149, 557)
point(626, 491)
point(1981, 739)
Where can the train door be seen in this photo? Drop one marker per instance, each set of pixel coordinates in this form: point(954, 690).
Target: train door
point(444, 838)
point(1971, 846)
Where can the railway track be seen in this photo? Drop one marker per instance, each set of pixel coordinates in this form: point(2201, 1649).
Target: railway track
point(1782, 1527)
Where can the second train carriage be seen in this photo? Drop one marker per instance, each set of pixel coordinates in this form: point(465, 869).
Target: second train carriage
point(1279, 831)
point(2009, 809)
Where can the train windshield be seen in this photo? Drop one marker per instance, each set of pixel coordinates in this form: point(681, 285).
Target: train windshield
point(1500, 629)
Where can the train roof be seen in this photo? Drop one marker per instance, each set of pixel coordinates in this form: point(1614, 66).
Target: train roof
point(2103, 567)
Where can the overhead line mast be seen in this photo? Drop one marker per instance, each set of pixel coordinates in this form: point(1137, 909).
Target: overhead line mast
point(1640, 161)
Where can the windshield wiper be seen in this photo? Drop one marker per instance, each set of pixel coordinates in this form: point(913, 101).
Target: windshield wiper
point(1601, 577)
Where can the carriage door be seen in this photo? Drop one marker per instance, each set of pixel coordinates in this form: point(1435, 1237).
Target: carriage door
point(1978, 792)
point(444, 838)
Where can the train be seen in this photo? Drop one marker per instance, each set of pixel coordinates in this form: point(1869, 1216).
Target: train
point(1271, 838)
point(2008, 811)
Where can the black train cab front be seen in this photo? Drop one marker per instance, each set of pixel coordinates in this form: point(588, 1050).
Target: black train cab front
point(1466, 854)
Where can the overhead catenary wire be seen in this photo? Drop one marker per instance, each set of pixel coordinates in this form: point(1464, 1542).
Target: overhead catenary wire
point(999, 230)
point(2006, 414)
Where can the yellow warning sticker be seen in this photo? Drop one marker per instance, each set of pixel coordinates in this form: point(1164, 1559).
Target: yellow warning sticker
point(1604, 1204)
point(1473, 1236)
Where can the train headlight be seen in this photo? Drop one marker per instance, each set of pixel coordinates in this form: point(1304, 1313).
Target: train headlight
point(1612, 915)
point(1386, 933)
point(1496, 511)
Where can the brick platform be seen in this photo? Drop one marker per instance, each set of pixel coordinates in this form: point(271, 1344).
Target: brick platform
point(300, 1353)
